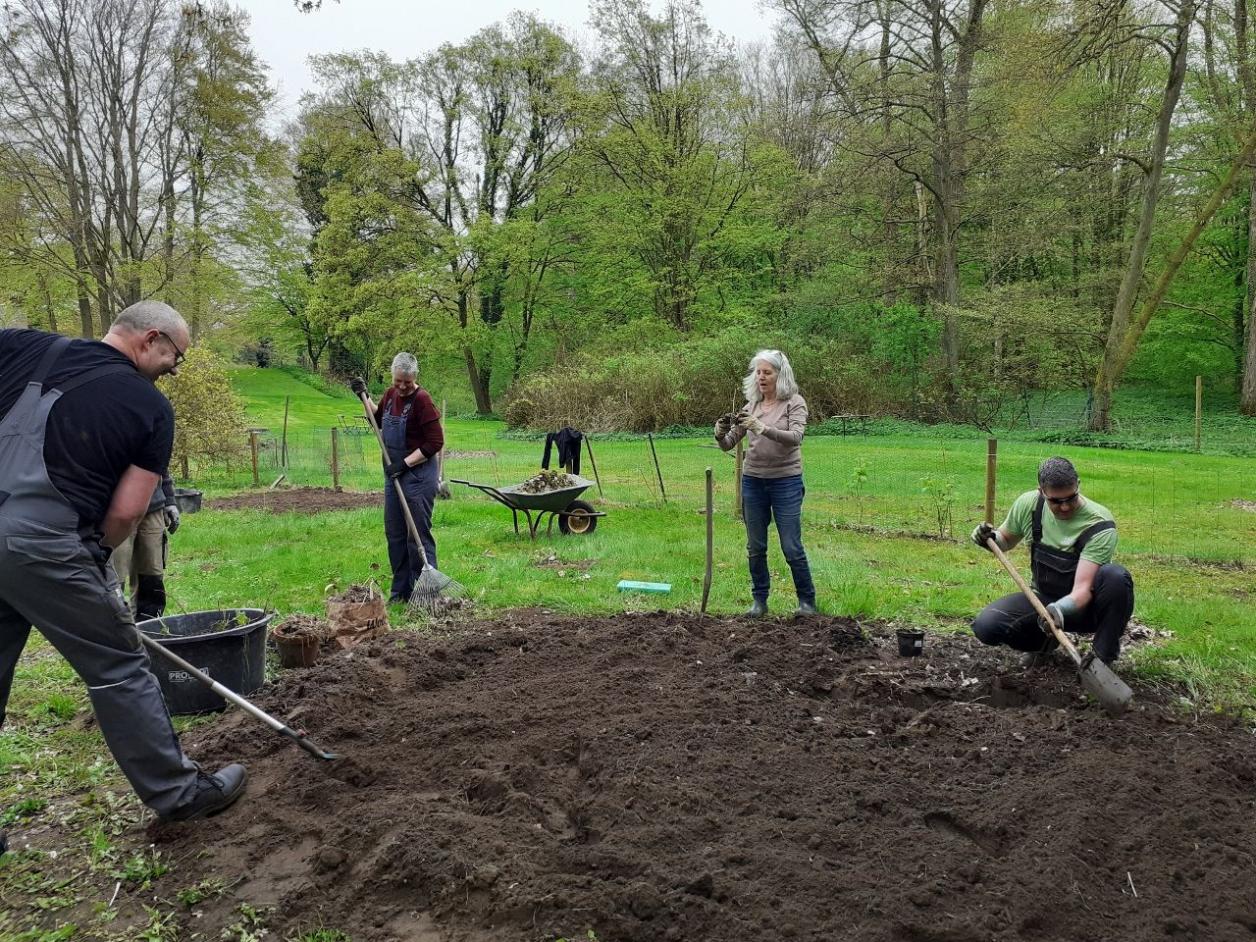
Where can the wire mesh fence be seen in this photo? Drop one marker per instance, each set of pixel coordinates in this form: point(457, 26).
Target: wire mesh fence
point(1202, 507)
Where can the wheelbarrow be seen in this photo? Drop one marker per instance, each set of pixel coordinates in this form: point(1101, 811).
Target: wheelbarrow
point(575, 516)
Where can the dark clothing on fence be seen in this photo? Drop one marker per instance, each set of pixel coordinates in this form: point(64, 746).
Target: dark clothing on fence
point(1011, 620)
point(96, 431)
point(423, 425)
point(419, 485)
point(762, 498)
point(53, 572)
point(568, 442)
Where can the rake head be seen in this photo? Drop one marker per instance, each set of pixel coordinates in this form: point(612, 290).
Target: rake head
point(434, 589)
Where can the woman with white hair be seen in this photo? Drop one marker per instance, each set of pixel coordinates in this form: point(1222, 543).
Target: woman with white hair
point(411, 425)
point(774, 421)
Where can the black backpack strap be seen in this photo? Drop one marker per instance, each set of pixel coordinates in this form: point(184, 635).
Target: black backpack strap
point(95, 373)
point(1090, 532)
point(51, 355)
point(1037, 520)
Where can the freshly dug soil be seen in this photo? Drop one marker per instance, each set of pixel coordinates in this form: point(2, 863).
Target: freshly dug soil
point(302, 500)
point(356, 593)
point(669, 777)
point(296, 627)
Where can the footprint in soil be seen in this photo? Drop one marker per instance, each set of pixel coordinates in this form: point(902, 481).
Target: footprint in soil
point(945, 823)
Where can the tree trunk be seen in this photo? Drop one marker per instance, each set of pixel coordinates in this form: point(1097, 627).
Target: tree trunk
point(1247, 398)
point(483, 404)
point(1110, 369)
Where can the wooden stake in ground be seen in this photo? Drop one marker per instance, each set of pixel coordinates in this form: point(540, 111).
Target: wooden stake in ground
point(283, 450)
point(657, 471)
point(1199, 407)
point(257, 482)
point(737, 480)
point(442, 489)
point(710, 539)
point(593, 463)
point(992, 461)
point(335, 458)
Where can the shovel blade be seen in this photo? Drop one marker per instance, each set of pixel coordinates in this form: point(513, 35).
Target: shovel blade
point(1099, 680)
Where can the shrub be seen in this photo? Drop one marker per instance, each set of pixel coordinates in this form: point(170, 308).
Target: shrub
point(208, 415)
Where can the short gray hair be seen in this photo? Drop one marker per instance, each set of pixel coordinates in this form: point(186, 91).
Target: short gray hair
point(1057, 472)
point(407, 364)
point(786, 385)
point(150, 315)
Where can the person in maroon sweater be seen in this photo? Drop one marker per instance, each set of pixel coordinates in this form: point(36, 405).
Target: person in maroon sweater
point(413, 436)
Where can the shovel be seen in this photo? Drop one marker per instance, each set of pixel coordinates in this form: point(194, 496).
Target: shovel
point(238, 700)
point(1097, 678)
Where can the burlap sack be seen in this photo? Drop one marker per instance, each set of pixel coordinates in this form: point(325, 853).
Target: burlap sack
point(357, 614)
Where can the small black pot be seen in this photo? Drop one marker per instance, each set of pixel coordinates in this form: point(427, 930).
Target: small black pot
point(911, 643)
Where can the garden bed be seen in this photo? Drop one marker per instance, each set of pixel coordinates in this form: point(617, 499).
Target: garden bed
point(655, 777)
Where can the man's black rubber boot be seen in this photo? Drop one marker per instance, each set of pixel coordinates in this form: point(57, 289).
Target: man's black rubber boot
point(758, 608)
point(214, 793)
point(807, 608)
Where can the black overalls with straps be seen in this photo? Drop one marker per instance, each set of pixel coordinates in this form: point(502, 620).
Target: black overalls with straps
point(53, 575)
point(1054, 569)
point(1013, 621)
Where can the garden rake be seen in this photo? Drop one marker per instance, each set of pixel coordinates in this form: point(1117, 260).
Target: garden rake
point(432, 586)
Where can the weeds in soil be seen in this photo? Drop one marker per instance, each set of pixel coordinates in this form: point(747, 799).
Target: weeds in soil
point(250, 926)
point(141, 869)
point(320, 934)
point(198, 893)
point(161, 926)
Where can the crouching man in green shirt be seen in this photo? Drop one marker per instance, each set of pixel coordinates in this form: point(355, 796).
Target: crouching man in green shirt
point(1070, 551)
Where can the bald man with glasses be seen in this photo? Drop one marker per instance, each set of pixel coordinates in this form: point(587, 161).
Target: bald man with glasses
point(1072, 544)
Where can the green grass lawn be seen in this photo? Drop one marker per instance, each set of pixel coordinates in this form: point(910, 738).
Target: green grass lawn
point(871, 525)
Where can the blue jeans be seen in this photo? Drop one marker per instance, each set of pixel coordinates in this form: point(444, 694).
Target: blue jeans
point(760, 499)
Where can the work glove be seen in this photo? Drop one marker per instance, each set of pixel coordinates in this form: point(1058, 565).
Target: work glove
point(1057, 616)
point(170, 515)
point(397, 468)
point(985, 531)
point(723, 425)
point(751, 424)
point(358, 385)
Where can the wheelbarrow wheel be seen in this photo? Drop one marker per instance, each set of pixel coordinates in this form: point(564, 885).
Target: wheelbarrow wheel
point(577, 519)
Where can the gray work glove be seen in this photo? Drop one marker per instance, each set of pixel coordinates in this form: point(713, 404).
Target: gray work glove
point(358, 385)
point(985, 531)
point(171, 517)
point(1057, 616)
point(723, 425)
point(751, 423)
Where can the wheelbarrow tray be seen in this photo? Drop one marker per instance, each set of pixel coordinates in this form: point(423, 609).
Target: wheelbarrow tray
point(553, 501)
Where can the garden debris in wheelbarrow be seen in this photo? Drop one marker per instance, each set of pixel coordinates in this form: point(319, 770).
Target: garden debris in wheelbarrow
point(544, 498)
point(545, 482)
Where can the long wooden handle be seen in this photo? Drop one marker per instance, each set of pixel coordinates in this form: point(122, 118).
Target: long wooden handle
point(1035, 601)
point(401, 494)
point(710, 540)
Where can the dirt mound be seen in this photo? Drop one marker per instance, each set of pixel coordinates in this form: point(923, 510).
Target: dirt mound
point(665, 777)
point(301, 500)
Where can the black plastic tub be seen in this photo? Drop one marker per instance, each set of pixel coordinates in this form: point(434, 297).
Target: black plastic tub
point(234, 656)
point(188, 499)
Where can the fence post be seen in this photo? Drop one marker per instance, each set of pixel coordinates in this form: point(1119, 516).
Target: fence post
point(283, 451)
point(992, 461)
point(335, 458)
point(710, 540)
point(253, 448)
point(183, 462)
point(1199, 407)
point(737, 480)
point(650, 437)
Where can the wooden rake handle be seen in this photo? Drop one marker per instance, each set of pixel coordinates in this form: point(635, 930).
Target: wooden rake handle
point(1035, 601)
point(401, 494)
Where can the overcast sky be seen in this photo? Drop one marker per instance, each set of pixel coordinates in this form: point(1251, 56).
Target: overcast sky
point(404, 29)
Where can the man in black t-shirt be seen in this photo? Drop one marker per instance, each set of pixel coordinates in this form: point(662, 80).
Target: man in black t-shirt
point(84, 438)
